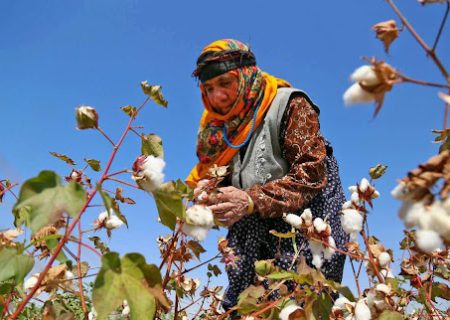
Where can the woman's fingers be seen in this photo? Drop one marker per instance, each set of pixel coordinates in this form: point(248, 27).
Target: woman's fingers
point(222, 208)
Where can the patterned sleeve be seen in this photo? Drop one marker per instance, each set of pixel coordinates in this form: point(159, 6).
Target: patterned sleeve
point(304, 149)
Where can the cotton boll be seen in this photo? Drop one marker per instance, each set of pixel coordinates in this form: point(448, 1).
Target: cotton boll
point(31, 282)
point(410, 213)
point(386, 273)
point(126, 308)
point(356, 94)
point(287, 310)
point(320, 225)
point(440, 219)
point(355, 198)
point(428, 240)
point(317, 260)
point(384, 259)
point(364, 185)
point(102, 217)
point(341, 303)
point(329, 251)
point(347, 205)
point(400, 192)
point(307, 216)
point(362, 311)
point(148, 172)
point(198, 233)
point(294, 220)
point(366, 75)
point(200, 215)
point(351, 221)
point(383, 288)
point(353, 189)
point(92, 315)
point(113, 222)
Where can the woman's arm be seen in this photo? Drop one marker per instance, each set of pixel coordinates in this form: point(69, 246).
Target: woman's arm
point(304, 149)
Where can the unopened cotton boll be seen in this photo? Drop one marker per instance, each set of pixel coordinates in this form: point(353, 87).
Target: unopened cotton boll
point(362, 311)
point(288, 310)
point(148, 172)
point(294, 220)
point(428, 240)
point(352, 222)
point(384, 259)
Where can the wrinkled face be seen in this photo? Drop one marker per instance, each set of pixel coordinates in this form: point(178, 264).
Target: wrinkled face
point(222, 92)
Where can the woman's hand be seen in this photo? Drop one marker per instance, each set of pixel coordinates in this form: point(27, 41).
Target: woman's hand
point(229, 205)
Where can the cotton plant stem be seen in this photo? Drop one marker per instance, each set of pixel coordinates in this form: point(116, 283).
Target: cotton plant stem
point(123, 182)
point(80, 279)
point(201, 264)
point(6, 304)
point(371, 258)
point(9, 189)
point(203, 301)
point(424, 83)
point(66, 236)
point(105, 135)
point(441, 28)
point(268, 307)
point(356, 276)
point(118, 172)
point(419, 39)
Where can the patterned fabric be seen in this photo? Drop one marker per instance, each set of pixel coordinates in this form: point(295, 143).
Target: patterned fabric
point(256, 89)
point(304, 149)
point(312, 165)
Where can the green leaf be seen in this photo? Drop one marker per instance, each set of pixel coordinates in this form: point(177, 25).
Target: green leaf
point(94, 164)
point(63, 157)
point(169, 204)
point(154, 92)
point(52, 243)
point(129, 278)
point(151, 145)
point(215, 269)
point(345, 291)
point(129, 110)
point(390, 315)
point(44, 199)
point(283, 275)
point(14, 266)
point(440, 290)
point(248, 299)
point(322, 306)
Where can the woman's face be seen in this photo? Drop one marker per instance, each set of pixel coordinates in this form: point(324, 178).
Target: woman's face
point(222, 92)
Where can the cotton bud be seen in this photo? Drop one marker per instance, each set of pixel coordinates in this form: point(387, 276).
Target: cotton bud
point(307, 216)
point(148, 172)
point(291, 311)
point(362, 311)
point(352, 222)
point(199, 219)
point(87, 117)
point(294, 220)
point(384, 259)
point(428, 240)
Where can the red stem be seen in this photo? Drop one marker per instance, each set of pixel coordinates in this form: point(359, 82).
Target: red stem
point(80, 279)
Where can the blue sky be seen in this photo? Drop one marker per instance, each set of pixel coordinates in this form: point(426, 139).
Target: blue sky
point(56, 55)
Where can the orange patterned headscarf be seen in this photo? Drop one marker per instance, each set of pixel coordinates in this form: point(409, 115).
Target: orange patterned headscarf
point(256, 92)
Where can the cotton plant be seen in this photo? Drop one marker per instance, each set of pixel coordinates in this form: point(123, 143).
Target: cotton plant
point(318, 233)
point(199, 220)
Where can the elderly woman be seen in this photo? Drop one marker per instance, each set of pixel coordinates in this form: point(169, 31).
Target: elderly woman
point(268, 134)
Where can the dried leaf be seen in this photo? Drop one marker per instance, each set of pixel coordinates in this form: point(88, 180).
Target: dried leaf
point(378, 171)
point(195, 247)
point(119, 196)
point(286, 235)
point(94, 164)
point(217, 171)
point(387, 32)
point(445, 97)
point(432, 1)
point(63, 157)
